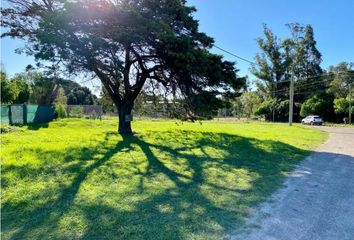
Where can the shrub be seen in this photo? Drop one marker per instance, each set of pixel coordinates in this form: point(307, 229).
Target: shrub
point(320, 104)
point(60, 111)
point(281, 109)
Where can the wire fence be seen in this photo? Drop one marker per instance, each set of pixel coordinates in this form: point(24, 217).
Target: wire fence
point(21, 114)
point(87, 111)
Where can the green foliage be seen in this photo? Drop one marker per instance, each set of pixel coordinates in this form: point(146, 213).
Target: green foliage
point(9, 89)
point(312, 106)
point(280, 108)
point(203, 105)
point(272, 63)
point(37, 88)
point(42, 89)
point(340, 77)
point(341, 106)
point(106, 101)
point(60, 110)
point(125, 42)
point(279, 60)
point(81, 96)
point(24, 89)
point(78, 179)
point(250, 101)
point(60, 103)
point(60, 97)
point(305, 57)
point(265, 108)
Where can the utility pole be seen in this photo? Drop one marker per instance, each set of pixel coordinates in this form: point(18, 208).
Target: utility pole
point(291, 100)
point(350, 103)
point(273, 108)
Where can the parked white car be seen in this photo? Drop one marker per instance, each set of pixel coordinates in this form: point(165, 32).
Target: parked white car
point(312, 120)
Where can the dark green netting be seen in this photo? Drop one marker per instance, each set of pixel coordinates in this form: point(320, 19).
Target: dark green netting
point(5, 114)
point(40, 113)
point(23, 114)
point(31, 113)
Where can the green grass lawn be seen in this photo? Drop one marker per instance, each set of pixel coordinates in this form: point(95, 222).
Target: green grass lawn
point(77, 179)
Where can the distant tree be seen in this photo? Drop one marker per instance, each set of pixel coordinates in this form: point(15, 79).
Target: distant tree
point(272, 71)
point(319, 104)
point(81, 96)
point(106, 101)
point(60, 101)
point(237, 108)
point(125, 44)
point(9, 89)
point(265, 108)
point(281, 109)
point(297, 57)
point(340, 77)
point(305, 61)
point(24, 89)
point(306, 57)
point(42, 87)
point(250, 101)
point(60, 97)
point(272, 64)
point(341, 106)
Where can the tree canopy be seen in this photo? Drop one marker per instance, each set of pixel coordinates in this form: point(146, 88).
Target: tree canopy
point(14, 90)
point(126, 44)
point(294, 57)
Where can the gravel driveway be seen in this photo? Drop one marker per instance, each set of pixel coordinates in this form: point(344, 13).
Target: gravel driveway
point(318, 200)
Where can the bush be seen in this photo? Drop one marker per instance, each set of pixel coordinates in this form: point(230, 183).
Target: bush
point(341, 106)
point(281, 109)
point(320, 104)
point(60, 111)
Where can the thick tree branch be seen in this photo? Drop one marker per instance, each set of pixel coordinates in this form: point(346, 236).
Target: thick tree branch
point(110, 87)
point(126, 71)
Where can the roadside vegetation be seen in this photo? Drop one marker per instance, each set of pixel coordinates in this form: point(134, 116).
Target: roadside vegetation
point(78, 179)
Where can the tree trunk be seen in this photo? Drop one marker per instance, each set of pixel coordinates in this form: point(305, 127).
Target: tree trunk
point(125, 118)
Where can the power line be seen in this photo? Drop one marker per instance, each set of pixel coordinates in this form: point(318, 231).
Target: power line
point(310, 84)
point(236, 56)
point(228, 52)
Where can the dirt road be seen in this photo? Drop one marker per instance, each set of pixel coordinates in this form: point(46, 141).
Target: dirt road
point(318, 200)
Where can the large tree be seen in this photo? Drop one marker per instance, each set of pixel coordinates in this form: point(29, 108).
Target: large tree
point(272, 64)
point(250, 101)
point(126, 43)
point(306, 60)
point(272, 71)
point(340, 77)
point(297, 57)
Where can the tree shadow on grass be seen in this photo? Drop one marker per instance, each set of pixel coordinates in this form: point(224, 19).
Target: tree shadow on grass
point(37, 126)
point(193, 185)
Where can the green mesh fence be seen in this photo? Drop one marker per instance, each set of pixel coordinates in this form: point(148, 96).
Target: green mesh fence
point(45, 113)
point(23, 114)
point(40, 113)
point(5, 114)
point(17, 114)
point(31, 113)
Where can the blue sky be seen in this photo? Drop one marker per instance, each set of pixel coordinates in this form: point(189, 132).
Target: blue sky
point(235, 24)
